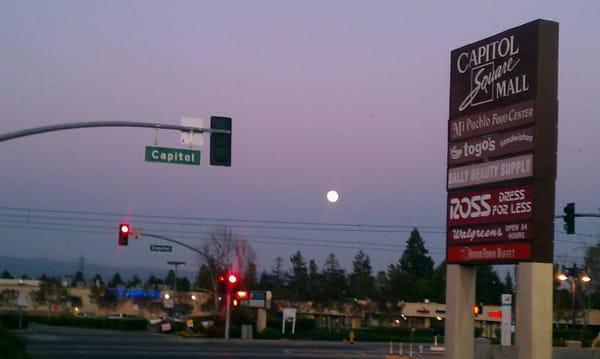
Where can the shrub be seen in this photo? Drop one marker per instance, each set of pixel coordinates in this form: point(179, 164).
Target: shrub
point(11, 346)
point(269, 333)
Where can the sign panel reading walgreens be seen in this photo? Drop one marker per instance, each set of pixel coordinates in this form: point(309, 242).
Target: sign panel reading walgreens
point(493, 253)
point(495, 120)
point(501, 232)
point(490, 206)
point(484, 147)
point(490, 172)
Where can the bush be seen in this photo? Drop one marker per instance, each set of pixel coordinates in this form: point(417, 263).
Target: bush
point(560, 335)
point(11, 320)
point(269, 333)
point(11, 346)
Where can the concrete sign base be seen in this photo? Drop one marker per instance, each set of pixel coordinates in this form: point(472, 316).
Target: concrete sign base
point(460, 323)
point(534, 311)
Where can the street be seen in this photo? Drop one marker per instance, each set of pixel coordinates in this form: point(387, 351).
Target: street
point(59, 342)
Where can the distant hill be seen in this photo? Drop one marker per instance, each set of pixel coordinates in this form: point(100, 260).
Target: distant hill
point(34, 267)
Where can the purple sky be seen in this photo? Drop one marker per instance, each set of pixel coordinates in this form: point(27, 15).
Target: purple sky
point(336, 94)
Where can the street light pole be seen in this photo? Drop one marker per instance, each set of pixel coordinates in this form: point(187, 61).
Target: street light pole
point(176, 264)
point(575, 274)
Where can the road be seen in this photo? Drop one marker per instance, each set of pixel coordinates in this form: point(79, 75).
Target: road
point(57, 342)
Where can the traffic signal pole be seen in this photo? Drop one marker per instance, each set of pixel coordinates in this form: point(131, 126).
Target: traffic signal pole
point(76, 125)
point(228, 313)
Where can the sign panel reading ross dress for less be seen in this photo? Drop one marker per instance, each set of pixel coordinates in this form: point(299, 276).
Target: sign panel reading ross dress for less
point(502, 147)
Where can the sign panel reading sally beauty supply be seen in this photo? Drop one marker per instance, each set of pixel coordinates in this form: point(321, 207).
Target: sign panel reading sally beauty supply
point(490, 172)
point(502, 140)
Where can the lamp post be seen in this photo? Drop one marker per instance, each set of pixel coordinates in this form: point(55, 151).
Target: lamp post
point(176, 264)
point(575, 274)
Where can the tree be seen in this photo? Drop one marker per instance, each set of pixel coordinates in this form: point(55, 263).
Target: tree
point(592, 265)
point(488, 287)
point(115, 281)
point(314, 284)
point(183, 284)
point(438, 284)
point(153, 282)
point(170, 279)
point(361, 282)
point(203, 279)
point(415, 260)
point(298, 277)
point(274, 281)
point(97, 280)
point(509, 287)
point(6, 275)
point(224, 251)
point(334, 279)
point(134, 282)
point(51, 292)
point(78, 277)
point(249, 279)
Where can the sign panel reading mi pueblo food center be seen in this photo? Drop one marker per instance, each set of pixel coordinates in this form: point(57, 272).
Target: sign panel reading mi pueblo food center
point(502, 147)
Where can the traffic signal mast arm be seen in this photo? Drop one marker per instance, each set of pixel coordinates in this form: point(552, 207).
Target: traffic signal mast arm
point(75, 125)
point(579, 215)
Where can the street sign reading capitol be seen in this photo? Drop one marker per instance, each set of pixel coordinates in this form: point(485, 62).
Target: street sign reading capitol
point(502, 140)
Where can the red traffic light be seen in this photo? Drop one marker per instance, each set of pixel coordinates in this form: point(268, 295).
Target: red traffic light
point(232, 279)
point(123, 234)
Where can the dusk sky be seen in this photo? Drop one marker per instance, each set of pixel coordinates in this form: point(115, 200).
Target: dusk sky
point(345, 95)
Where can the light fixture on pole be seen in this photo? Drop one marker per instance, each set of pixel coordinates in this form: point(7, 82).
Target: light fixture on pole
point(574, 274)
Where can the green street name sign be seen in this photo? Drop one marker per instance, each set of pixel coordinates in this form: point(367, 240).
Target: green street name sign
point(172, 155)
point(160, 248)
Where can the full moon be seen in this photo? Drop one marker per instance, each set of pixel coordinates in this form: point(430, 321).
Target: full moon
point(333, 196)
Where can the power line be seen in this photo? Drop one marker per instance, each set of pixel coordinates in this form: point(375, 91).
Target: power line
point(178, 233)
point(215, 219)
point(313, 243)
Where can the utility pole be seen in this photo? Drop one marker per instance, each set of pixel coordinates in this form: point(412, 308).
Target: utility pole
point(176, 264)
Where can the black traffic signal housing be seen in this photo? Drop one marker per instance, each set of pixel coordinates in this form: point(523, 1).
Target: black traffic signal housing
point(222, 284)
point(124, 230)
point(477, 309)
point(220, 143)
point(569, 218)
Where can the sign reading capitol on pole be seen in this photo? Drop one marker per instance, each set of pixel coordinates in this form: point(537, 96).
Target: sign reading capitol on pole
point(502, 140)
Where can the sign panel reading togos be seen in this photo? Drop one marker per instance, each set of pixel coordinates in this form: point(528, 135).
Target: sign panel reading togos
point(485, 147)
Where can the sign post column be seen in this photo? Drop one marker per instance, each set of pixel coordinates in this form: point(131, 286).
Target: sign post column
point(534, 319)
point(460, 323)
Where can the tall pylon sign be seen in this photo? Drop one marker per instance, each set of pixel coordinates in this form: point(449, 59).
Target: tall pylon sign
point(502, 143)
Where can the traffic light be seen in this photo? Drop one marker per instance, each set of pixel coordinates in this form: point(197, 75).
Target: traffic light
point(228, 282)
point(123, 234)
point(222, 284)
point(569, 218)
point(220, 143)
point(477, 309)
point(233, 281)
